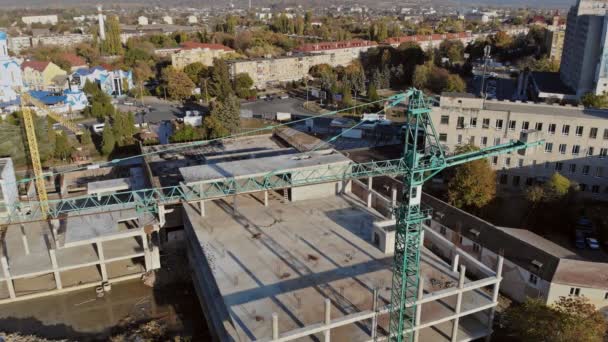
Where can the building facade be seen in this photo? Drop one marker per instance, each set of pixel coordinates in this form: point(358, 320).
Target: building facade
point(584, 65)
point(191, 52)
point(112, 82)
point(554, 39)
point(342, 52)
point(40, 19)
point(11, 79)
point(576, 139)
point(39, 75)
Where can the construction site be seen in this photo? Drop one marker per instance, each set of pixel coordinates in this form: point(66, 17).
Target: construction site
point(286, 238)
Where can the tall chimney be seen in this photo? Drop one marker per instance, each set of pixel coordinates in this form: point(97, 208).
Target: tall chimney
point(102, 26)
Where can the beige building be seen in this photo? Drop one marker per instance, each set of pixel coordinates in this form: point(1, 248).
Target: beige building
point(40, 19)
point(533, 266)
point(39, 75)
point(191, 52)
point(576, 139)
point(341, 53)
point(554, 39)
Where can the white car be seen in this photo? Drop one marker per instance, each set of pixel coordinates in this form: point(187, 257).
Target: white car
point(129, 103)
point(592, 243)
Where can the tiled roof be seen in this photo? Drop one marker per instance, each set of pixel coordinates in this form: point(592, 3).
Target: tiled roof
point(73, 59)
point(345, 44)
point(36, 65)
point(195, 45)
point(426, 38)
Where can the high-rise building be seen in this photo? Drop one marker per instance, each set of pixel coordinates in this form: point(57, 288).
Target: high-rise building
point(584, 66)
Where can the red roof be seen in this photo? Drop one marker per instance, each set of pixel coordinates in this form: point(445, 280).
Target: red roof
point(345, 44)
point(36, 65)
point(73, 59)
point(426, 38)
point(195, 45)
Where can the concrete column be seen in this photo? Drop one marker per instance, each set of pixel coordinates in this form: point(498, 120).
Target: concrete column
point(455, 263)
point(102, 261)
point(266, 198)
point(147, 256)
point(201, 206)
point(419, 309)
point(26, 246)
point(369, 191)
point(275, 326)
point(55, 269)
point(161, 215)
point(393, 201)
point(375, 317)
point(327, 333)
point(7, 274)
point(458, 303)
point(499, 264)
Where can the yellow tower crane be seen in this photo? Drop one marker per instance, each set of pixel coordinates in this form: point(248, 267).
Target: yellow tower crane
point(30, 131)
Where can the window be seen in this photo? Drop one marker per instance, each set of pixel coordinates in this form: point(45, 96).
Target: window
point(445, 119)
point(593, 133)
point(551, 128)
point(520, 162)
point(529, 181)
point(485, 123)
point(443, 137)
point(476, 247)
point(575, 291)
point(590, 151)
point(595, 189)
point(603, 153)
point(460, 122)
point(503, 179)
point(484, 141)
point(605, 133)
point(443, 230)
point(508, 161)
point(533, 279)
point(516, 180)
point(539, 126)
point(473, 122)
point(576, 149)
point(586, 170)
point(605, 295)
point(548, 147)
point(572, 168)
point(558, 166)
point(525, 125)
point(494, 160)
point(579, 131)
point(472, 140)
point(565, 129)
point(562, 148)
point(460, 239)
point(512, 124)
point(498, 124)
point(496, 141)
point(459, 138)
point(583, 187)
point(599, 171)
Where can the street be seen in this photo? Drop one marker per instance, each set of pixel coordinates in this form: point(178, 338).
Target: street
point(290, 105)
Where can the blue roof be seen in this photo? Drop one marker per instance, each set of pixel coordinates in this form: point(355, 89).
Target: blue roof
point(2, 35)
point(47, 98)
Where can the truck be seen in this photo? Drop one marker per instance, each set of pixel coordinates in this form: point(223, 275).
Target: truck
point(283, 116)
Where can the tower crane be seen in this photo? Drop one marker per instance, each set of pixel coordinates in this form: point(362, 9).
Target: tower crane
point(423, 157)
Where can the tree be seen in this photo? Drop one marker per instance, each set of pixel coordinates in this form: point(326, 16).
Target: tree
point(372, 93)
point(112, 44)
point(179, 85)
point(63, 148)
point(455, 84)
point(90, 88)
point(452, 49)
point(85, 139)
point(421, 76)
point(186, 133)
point(214, 128)
point(595, 101)
point(556, 187)
point(501, 39)
point(227, 113)
point(195, 71)
point(569, 319)
point(123, 128)
point(220, 85)
point(243, 84)
point(107, 139)
point(473, 184)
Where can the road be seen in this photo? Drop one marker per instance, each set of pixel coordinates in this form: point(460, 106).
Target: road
point(290, 105)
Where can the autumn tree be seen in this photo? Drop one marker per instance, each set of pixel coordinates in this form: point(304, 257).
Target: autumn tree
point(473, 184)
point(179, 85)
point(196, 71)
point(591, 100)
point(214, 128)
point(112, 44)
point(569, 319)
point(243, 84)
point(452, 49)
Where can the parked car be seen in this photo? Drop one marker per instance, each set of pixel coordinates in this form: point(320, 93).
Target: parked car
point(592, 243)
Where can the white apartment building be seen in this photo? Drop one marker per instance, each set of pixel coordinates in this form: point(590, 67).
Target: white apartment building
point(40, 19)
point(576, 139)
point(342, 52)
point(192, 52)
point(584, 65)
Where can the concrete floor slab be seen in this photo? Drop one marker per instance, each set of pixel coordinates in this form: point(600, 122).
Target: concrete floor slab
point(287, 258)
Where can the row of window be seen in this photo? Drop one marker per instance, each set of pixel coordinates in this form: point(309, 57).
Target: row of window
point(579, 131)
point(516, 181)
point(598, 172)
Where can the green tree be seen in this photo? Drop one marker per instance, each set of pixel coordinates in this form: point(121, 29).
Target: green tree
point(421, 76)
point(591, 100)
point(107, 139)
point(63, 148)
point(569, 319)
point(179, 85)
point(186, 133)
point(243, 84)
point(112, 44)
point(227, 113)
point(455, 84)
point(85, 139)
point(473, 184)
point(452, 49)
point(220, 85)
point(214, 128)
point(196, 71)
point(90, 88)
point(372, 93)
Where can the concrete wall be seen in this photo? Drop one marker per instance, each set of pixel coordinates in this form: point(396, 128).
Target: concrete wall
point(302, 193)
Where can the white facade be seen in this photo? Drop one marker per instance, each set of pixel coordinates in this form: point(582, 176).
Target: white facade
point(168, 20)
point(192, 19)
point(40, 19)
point(8, 185)
point(576, 139)
point(11, 78)
point(142, 21)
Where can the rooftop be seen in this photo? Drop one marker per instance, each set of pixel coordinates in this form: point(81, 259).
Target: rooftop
point(323, 46)
point(550, 82)
point(196, 45)
point(426, 37)
point(36, 65)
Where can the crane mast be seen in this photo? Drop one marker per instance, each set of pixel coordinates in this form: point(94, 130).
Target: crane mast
point(30, 132)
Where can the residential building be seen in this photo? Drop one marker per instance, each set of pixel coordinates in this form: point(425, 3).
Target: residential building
point(192, 19)
point(576, 139)
point(341, 53)
point(62, 40)
point(43, 75)
point(584, 65)
point(534, 267)
point(11, 79)
point(40, 19)
point(192, 52)
point(554, 39)
point(432, 41)
point(18, 43)
point(168, 20)
point(142, 21)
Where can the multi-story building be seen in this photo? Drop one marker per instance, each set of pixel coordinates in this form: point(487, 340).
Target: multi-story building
point(432, 41)
point(142, 21)
point(43, 75)
point(554, 39)
point(191, 52)
point(342, 52)
point(40, 19)
point(576, 139)
point(584, 65)
point(63, 40)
